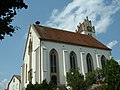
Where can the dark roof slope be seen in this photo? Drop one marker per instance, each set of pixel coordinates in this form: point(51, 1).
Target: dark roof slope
point(62, 36)
point(18, 77)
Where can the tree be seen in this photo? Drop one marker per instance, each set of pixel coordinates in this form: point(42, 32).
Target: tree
point(75, 80)
point(112, 75)
point(107, 78)
point(43, 86)
point(95, 80)
point(8, 9)
point(90, 78)
point(30, 86)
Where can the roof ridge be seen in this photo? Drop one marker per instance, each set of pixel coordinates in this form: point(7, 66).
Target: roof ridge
point(55, 28)
point(64, 30)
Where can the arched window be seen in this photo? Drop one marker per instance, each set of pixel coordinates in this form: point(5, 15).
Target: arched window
point(30, 54)
point(30, 61)
point(26, 74)
point(53, 58)
point(103, 61)
point(89, 62)
point(54, 67)
point(73, 60)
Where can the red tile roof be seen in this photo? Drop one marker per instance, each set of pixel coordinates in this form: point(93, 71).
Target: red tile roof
point(62, 36)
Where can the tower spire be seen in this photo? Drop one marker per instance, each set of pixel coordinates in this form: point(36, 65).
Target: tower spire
point(86, 28)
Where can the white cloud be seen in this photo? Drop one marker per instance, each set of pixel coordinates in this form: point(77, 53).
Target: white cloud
point(99, 11)
point(113, 43)
point(3, 84)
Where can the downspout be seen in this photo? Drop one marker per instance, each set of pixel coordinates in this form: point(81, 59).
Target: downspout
point(40, 59)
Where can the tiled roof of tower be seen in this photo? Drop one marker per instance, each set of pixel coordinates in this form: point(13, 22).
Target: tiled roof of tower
point(62, 36)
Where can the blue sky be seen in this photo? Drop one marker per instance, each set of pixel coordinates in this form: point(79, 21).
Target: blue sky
point(64, 14)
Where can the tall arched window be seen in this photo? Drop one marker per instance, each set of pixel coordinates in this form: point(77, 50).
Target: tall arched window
point(30, 61)
point(89, 62)
point(53, 58)
point(54, 67)
point(73, 60)
point(30, 54)
point(103, 61)
point(26, 74)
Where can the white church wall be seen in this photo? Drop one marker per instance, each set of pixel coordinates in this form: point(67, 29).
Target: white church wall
point(22, 76)
point(35, 44)
point(26, 62)
point(80, 52)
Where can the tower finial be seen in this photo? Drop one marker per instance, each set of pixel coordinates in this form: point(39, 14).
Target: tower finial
point(87, 17)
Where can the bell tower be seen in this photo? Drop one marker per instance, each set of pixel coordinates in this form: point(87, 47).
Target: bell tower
point(86, 28)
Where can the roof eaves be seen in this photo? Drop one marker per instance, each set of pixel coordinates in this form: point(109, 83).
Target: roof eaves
point(75, 44)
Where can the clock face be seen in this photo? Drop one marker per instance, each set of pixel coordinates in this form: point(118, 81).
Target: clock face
point(89, 28)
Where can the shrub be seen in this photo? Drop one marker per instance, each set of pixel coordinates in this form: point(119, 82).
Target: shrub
point(75, 80)
point(43, 86)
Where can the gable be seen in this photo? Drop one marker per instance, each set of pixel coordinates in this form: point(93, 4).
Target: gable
point(31, 30)
point(61, 36)
point(17, 77)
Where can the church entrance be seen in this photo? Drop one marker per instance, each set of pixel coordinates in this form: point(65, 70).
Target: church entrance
point(54, 67)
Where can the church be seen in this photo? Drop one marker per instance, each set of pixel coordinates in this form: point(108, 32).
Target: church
point(50, 53)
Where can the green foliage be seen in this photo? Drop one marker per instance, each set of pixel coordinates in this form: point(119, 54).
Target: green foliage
point(8, 9)
point(112, 75)
point(36, 86)
point(43, 86)
point(30, 86)
point(95, 77)
point(90, 78)
point(108, 78)
point(75, 80)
